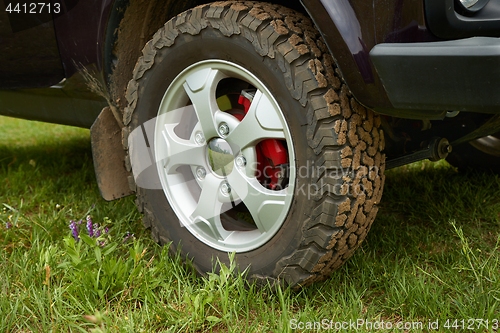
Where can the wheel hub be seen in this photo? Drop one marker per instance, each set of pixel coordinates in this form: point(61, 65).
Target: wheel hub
point(220, 157)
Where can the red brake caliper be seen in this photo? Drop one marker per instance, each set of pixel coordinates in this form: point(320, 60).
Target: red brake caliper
point(272, 155)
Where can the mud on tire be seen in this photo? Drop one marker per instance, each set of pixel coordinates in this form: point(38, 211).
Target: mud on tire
point(334, 144)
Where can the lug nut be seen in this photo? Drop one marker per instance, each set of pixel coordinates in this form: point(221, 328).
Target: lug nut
point(225, 189)
point(199, 138)
point(241, 161)
point(201, 173)
point(223, 129)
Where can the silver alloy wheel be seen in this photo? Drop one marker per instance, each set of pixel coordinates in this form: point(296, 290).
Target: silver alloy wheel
point(208, 159)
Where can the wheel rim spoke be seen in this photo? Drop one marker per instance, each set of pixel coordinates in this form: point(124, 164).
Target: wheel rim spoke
point(200, 87)
point(261, 122)
point(209, 207)
point(179, 151)
point(264, 205)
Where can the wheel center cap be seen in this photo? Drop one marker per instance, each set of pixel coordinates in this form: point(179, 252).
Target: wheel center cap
point(220, 157)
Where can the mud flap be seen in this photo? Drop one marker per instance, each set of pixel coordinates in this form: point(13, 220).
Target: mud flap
point(109, 157)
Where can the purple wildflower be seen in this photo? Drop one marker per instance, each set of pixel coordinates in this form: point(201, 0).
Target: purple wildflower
point(8, 225)
point(97, 230)
point(74, 230)
point(128, 236)
point(106, 230)
point(90, 227)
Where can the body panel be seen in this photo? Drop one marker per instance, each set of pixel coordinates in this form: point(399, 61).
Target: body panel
point(29, 54)
point(349, 40)
point(60, 46)
point(351, 28)
point(81, 32)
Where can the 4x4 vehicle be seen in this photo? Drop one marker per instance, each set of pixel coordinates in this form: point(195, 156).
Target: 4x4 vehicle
point(259, 128)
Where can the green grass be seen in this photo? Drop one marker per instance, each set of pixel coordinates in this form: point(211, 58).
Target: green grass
point(432, 254)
